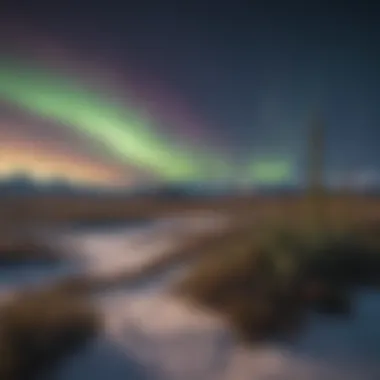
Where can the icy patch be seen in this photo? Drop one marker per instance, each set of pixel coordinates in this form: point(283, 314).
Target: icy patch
point(152, 335)
point(171, 340)
point(111, 252)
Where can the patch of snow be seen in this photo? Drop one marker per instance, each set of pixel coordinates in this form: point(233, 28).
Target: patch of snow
point(107, 252)
point(171, 340)
point(150, 334)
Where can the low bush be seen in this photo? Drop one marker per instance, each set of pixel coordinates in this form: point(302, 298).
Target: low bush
point(264, 286)
point(39, 329)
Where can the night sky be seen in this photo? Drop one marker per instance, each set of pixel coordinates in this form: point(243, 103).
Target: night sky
point(164, 90)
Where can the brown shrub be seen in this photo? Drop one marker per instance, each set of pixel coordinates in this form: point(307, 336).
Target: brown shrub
point(37, 330)
point(20, 250)
point(264, 288)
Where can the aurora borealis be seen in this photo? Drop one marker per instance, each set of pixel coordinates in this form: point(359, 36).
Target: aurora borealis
point(164, 94)
point(129, 137)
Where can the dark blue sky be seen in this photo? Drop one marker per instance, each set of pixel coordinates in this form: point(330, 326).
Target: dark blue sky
point(256, 70)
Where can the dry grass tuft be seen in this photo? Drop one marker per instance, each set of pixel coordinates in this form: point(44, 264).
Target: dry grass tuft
point(265, 283)
point(37, 330)
point(16, 248)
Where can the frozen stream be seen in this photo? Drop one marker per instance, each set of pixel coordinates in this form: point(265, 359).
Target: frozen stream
point(149, 334)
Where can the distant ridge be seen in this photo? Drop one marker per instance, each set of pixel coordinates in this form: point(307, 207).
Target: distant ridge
point(24, 185)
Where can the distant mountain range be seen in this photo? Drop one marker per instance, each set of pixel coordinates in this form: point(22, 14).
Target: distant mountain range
point(22, 185)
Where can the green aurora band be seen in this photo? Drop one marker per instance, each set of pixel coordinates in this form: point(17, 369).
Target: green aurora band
point(131, 138)
point(126, 134)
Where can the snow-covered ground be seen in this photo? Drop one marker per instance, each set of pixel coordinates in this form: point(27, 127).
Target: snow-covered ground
point(103, 251)
point(150, 334)
point(153, 335)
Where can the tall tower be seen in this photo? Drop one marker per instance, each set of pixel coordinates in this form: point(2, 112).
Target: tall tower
point(316, 156)
point(315, 173)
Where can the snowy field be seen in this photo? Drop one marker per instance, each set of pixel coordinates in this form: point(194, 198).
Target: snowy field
point(150, 334)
